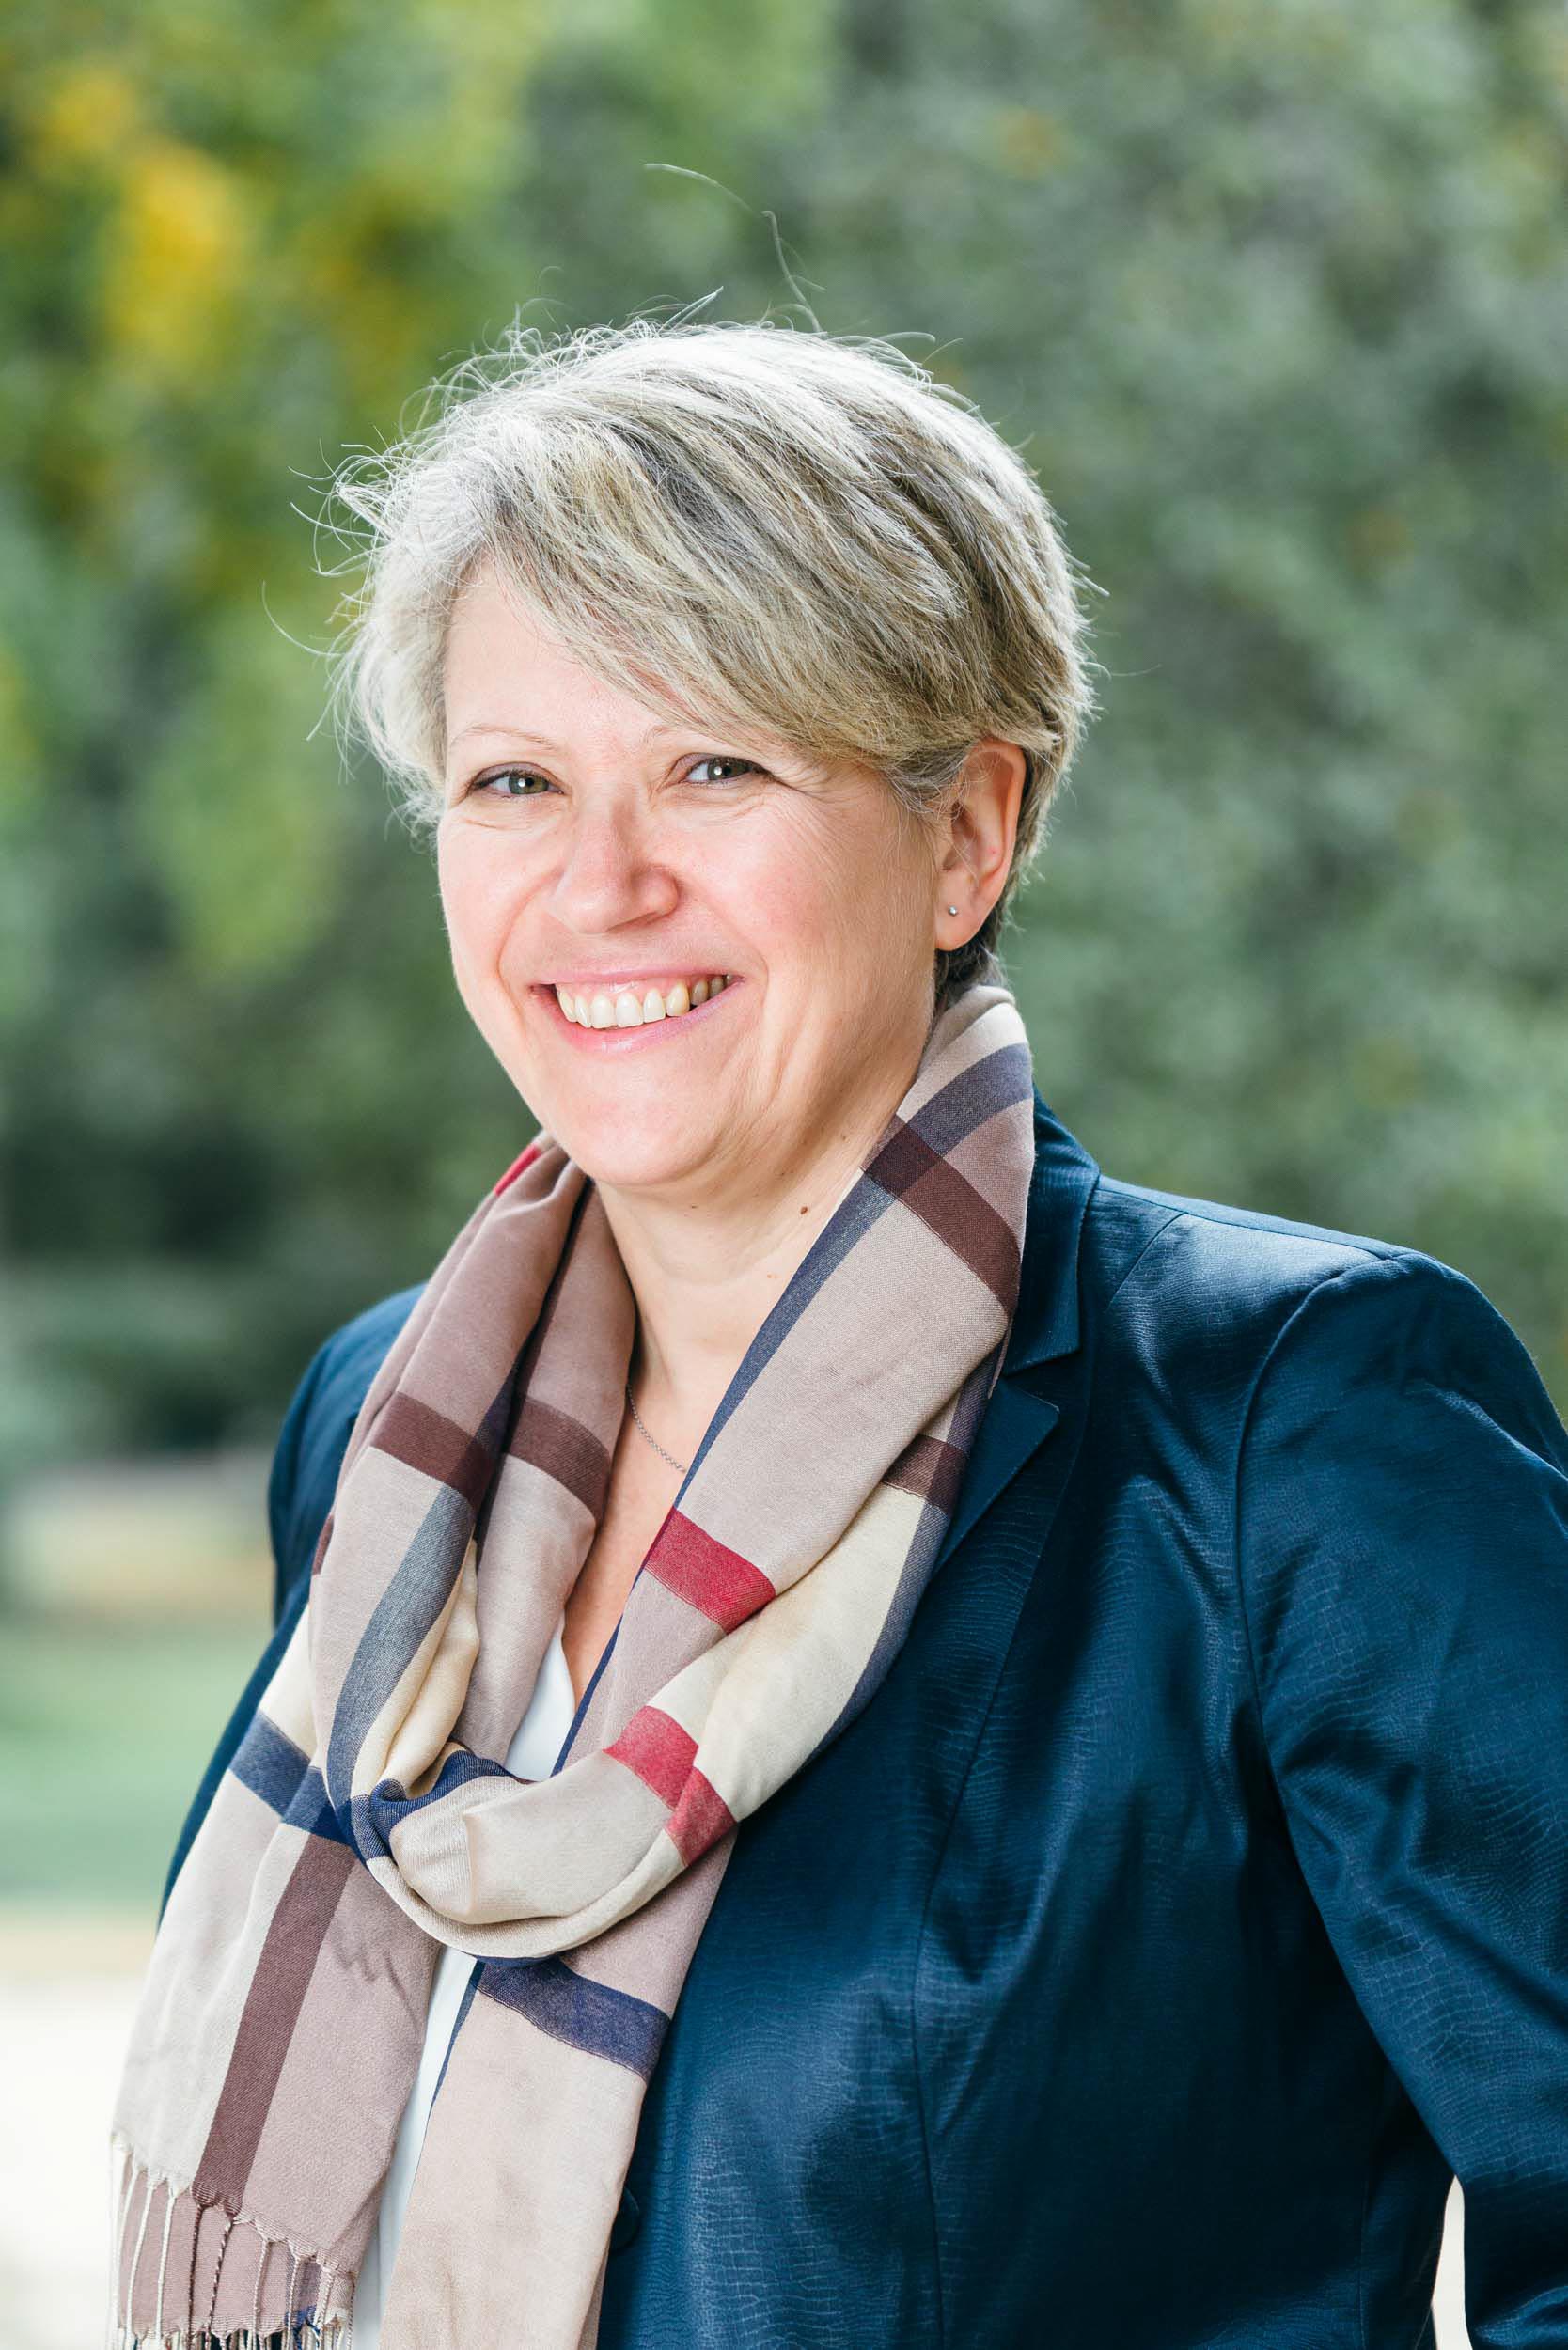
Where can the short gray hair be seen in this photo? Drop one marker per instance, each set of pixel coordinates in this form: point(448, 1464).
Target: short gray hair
point(804, 535)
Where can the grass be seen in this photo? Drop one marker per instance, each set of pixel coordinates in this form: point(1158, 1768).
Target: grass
point(104, 1730)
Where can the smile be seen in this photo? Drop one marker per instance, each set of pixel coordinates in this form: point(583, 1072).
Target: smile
point(633, 1024)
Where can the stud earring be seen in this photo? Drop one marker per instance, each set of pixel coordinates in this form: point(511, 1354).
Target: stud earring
point(952, 909)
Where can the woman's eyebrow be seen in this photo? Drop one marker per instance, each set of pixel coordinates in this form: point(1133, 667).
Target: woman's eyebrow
point(483, 726)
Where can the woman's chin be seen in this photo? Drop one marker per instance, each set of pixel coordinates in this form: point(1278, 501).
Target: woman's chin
point(660, 1153)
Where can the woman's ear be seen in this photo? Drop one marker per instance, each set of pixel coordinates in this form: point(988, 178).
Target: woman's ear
point(982, 828)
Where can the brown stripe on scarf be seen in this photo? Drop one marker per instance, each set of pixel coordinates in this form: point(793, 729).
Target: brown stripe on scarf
point(322, 1539)
point(571, 1453)
point(931, 1469)
point(423, 1438)
point(908, 1168)
point(277, 1991)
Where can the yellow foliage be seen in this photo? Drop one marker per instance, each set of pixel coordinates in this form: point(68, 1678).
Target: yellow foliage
point(88, 115)
point(1030, 143)
point(178, 255)
point(19, 746)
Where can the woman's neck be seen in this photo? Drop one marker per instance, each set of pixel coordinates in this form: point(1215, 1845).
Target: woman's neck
point(706, 1280)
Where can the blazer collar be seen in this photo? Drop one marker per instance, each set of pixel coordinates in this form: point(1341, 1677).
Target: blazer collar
point(1046, 1322)
point(1046, 1325)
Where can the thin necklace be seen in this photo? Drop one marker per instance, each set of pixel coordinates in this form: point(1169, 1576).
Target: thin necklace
point(654, 1440)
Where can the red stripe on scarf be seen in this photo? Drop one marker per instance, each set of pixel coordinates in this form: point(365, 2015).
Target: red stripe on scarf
point(524, 1158)
point(658, 1750)
point(700, 1819)
point(717, 1582)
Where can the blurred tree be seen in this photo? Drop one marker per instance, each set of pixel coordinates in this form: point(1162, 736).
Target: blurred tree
point(1275, 301)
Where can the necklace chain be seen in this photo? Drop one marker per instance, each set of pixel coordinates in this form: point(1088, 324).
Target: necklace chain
point(652, 1439)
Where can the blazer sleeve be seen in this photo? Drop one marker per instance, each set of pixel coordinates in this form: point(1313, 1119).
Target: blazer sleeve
point(300, 1486)
point(1402, 1526)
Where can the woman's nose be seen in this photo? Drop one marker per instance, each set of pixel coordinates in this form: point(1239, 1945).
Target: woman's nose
point(610, 872)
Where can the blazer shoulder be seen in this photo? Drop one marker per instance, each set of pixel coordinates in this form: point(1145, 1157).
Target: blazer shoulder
point(1226, 1247)
point(355, 1351)
point(316, 1429)
point(1200, 1290)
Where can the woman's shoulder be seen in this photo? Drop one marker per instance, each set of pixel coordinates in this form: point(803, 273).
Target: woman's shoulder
point(1225, 1250)
point(316, 1429)
point(1229, 1303)
point(1224, 1266)
point(350, 1355)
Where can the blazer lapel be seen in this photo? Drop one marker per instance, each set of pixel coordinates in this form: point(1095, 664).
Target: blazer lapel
point(1018, 1418)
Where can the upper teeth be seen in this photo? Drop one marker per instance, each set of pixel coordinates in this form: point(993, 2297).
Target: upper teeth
point(626, 1009)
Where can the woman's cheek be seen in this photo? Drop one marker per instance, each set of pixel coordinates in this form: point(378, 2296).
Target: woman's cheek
point(478, 901)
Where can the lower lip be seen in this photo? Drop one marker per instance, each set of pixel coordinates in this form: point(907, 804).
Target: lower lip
point(648, 1037)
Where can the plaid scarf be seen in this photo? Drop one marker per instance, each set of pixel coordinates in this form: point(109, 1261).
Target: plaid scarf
point(367, 1818)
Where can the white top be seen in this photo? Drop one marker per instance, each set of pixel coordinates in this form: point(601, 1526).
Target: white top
point(532, 1755)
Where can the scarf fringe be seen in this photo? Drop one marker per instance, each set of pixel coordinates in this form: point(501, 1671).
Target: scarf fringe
point(175, 2257)
point(305, 2336)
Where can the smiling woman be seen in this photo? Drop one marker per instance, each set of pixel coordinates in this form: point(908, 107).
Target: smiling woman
point(582, 850)
point(872, 1736)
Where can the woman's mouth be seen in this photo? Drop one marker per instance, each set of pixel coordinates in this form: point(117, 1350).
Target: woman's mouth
point(632, 1018)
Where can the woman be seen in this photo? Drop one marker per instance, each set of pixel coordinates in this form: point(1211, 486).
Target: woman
point(873, 1737)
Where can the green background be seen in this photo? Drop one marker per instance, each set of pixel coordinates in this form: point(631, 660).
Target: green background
point(1274, 298)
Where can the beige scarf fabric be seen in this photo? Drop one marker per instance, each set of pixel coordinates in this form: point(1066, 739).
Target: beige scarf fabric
point(367, 1818)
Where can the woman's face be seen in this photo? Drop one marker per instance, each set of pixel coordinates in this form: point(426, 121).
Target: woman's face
point(586, 841)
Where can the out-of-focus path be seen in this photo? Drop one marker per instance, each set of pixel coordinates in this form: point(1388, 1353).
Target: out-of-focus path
point(68, 1987)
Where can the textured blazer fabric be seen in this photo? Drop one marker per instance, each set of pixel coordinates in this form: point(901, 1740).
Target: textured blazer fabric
point(1190, 1903)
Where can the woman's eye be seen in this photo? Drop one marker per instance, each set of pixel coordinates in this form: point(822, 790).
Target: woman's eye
point(510, 783)
point(722, 758)
point(507, 774)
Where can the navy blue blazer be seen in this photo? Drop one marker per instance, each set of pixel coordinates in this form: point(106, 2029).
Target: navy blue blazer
point(1190, 1903)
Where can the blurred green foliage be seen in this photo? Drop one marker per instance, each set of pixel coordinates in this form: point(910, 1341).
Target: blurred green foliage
point(1276, 301)
point(103, 1731)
